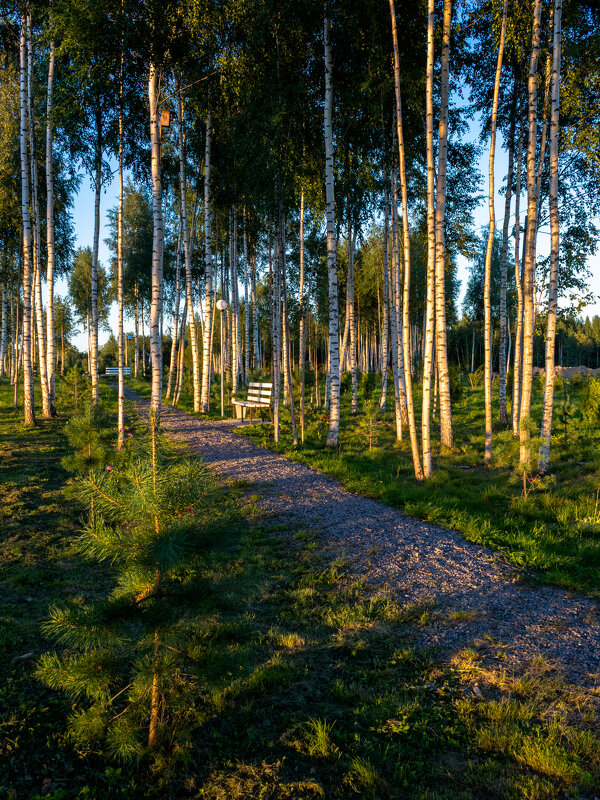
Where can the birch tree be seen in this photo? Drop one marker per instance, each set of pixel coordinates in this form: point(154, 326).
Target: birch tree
point(544, 454)
point(334, 330)
point(157, 246)
point(488, 252)
point(208, 317)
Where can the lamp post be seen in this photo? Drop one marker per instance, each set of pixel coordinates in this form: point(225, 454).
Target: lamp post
point(129, 338)
point(222, 305)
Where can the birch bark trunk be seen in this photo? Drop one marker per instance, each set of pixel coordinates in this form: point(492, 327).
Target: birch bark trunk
point(334, 324)
point(502, 360)
point(406, 246)
point(397, 305)
point(37, 305)
point(246, 306)
point(96, 242)
point(121, 341)
point(516, 394)
point(187, 249)
point(430, 307)
point(303, 326)
point(3, 334)
point(441, 349)
point(157, 247)
point(488, 252)
point(544, 453)
point(208, 321)
point(28, 387)
point(175, 316)
point(385, 325)
point(255, 331)
point(286, 325)
point(530, 241)
point(50, 346)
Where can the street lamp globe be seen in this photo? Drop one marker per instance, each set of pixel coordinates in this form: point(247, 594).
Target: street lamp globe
point(221, 304)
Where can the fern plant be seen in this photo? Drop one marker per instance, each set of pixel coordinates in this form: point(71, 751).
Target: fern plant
point(125, 662)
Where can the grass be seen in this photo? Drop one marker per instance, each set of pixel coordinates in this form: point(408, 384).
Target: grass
point(549, 525)
point(306, 687)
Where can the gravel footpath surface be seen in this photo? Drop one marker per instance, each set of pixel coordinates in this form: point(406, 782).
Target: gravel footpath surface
point(472, 595)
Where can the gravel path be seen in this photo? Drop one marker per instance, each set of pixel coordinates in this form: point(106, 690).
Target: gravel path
point(416, 561)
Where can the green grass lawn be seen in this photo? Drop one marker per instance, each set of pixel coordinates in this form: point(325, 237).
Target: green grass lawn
point(306, 687)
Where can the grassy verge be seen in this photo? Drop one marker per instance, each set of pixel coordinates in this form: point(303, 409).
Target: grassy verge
point(306, 686)
point(550, 525)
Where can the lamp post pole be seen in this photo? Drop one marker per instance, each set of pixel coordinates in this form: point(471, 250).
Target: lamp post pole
point(222, 305)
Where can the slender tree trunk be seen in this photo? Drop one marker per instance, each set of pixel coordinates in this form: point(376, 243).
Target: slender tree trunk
point(37, 305)
point(4, 330)
point(429, 308)
point(28, 387)
point(408, 366)
point(286, 323)
point(334, 324)
point(544, 454)
point(175, 316)
point(255, 331)
point(136, 331)
point(246, 307)
point(397, 305)
point(530, 241)
point(393, 279)
point(488, 252)
point(276, 335)
point(157, 247)
point(516, 396)
point(121, 342)
point(385, 324)
point(208, 321)
point(94, 288)
point(50, 348)
point(187, 249)
point(303, 327)
point(441, 348)
point(504, 268)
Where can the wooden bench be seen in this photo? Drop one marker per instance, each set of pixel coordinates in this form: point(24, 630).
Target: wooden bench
point(259, 396)
point(113, 372)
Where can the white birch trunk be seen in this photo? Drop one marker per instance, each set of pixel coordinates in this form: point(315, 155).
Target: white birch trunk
point(121, 337)
point(246, 307)
point(544, 454)
point(94, 287)
point(187, 250)
point(334, 324)
point(530, 240)
point(429, 308)
point(516, 394)
point(157, 246)
point(488, 252)
point(502, 360)
point(28, 387)
point(441, 349)
point(3, 331)
point(175, 327)
point(50, 345)
point(208, 320)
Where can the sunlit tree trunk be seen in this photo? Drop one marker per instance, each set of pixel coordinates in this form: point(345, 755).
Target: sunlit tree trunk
point(157, 247)
point(37, 305)
point(351, 320)
point(385, 323)
point(441, 350)
point(334, 324)
point(429, 308)
point(136, 331)
point(516, 394)
point(50, 346)
point(397, 306)
point(28, 387)
point(121, 342)
point(255, 331)
point(187, 250)
point(414, 445)
point(208, 320)
point(487, 308)
point(96, 241)
point(544, 454)
point(246, 307)
point(175, 316)
point(504, 270)
point(4, 331)
point(530, 237)
point(303, 326)
point(286, 325)
point(276, 335)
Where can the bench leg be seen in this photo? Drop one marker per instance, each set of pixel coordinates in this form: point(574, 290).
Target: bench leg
point(251, 416)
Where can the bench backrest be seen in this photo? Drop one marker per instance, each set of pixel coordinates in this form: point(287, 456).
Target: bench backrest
point(260, 393)
point(115, 371)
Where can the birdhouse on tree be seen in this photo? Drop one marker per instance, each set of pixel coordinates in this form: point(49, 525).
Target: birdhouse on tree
point(165, 118)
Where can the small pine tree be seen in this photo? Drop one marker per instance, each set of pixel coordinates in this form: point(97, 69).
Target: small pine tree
point(90, 434)
point(76, 387)
point(125, 656)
